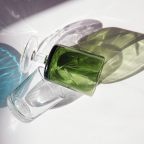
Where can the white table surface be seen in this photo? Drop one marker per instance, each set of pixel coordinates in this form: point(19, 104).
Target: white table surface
point(114, 115)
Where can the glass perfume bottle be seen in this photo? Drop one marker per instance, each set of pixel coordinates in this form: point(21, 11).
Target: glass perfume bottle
point(37, 94)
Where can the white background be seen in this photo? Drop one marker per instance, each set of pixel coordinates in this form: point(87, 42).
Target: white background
point(114, 115)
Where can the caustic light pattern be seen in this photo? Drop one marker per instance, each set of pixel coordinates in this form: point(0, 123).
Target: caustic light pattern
point(10, 76)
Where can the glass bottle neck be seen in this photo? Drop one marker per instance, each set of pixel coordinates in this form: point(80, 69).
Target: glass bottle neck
point(39, 57)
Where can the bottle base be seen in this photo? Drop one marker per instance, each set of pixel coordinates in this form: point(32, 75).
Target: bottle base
point(16, 112)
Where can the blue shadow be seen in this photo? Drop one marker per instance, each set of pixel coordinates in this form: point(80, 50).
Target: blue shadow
point(10, 75)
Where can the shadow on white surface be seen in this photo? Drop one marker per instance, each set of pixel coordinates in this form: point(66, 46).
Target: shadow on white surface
point(12, 11)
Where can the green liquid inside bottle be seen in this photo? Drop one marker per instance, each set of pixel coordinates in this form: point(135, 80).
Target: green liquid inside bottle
point(74, 69)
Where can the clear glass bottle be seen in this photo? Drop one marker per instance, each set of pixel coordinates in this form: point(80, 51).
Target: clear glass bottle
point(36, 95)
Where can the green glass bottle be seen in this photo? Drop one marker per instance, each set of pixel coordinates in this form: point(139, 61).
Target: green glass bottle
point(74, 69)
point(106, 56)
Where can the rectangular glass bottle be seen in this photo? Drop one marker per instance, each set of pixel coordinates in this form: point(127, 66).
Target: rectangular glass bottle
point(74, 69)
